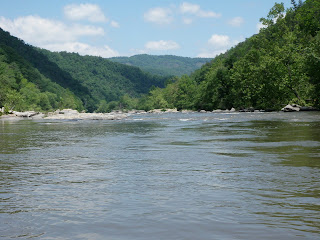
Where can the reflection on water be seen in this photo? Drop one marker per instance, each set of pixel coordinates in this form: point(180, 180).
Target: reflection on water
point(166, 176)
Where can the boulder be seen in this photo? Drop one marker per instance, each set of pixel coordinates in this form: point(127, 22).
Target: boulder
point(174, 110)
point(25, 114)
point(217, 111)
point(291, 108)
point(155, 111)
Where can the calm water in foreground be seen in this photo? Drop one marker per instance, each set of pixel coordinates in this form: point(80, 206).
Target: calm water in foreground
point(168, 176)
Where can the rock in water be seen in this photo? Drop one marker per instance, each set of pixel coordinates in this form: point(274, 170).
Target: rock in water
point(25, 114)
point(291, 108)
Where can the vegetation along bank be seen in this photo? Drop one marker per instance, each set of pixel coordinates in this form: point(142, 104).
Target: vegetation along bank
point(278, 66)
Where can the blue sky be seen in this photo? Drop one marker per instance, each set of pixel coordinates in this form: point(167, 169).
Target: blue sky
point(107, 28)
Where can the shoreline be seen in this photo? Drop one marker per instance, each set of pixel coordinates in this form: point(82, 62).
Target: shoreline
point(70, 114)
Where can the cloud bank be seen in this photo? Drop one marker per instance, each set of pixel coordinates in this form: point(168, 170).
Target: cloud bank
point(90, 12)
point(195, 9)
point(216, 45)
point(56, 35)
point(161, 15)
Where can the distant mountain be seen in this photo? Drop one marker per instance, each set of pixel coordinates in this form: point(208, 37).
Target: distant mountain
point(105, 80)
point(64, 77)
point(166, 65)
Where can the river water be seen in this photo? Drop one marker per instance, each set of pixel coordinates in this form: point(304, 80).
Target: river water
point(162, 176)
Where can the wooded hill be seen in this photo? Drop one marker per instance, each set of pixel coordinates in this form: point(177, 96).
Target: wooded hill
point(280, 65)
point(164, 65)
point(37, 79)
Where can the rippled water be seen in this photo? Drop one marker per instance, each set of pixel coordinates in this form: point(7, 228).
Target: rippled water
point(167, 176)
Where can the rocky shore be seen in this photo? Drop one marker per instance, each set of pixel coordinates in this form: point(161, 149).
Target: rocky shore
point(70, 114)
point(66, 114)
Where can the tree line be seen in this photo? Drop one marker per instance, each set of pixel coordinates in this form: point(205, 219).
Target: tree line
point(280, 65)
point(36, 79)
point(277, 66)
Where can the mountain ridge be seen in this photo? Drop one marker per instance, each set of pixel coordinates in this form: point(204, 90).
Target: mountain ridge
point(163, 65)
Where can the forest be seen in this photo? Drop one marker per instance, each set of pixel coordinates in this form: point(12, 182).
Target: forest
point(65, 80)
point(280, 65)
point(277, 66)
point(163, 65)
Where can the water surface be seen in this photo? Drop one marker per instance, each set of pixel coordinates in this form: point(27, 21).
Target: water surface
point(162, 176)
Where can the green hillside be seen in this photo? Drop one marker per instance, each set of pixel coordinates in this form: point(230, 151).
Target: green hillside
point(166, 65)
point(23, 87)
point(280, 65)
point(104, 79)
point(87, 79)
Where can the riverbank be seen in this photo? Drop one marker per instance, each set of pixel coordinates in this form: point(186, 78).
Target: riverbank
point(65, 114)
point(70, 114)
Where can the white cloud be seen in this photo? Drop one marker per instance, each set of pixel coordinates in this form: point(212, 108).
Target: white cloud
point(159, 15)
point(55, 35)
point(38, 31)
point(90, 12)
point(219, 41)
point(161, 45)
point(217, 44)
point(115, 24)
point(189, 8)
point(82, 49)
point(236, 22)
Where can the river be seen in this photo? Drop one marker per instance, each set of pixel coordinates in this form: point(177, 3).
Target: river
point(162, 176)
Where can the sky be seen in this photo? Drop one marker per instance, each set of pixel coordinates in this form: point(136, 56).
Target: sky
point(109, 28)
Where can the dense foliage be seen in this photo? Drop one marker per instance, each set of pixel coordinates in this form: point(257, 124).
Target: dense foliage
point(66, 79)
point(105, 80)
point(280, 65)
point(22, 87)
point(46, 68)
point(165, 65)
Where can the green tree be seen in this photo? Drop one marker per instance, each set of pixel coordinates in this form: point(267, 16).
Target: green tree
point(186, 93)
point(13, 100)
point(103, 107)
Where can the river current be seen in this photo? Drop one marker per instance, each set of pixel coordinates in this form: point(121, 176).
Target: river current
point(162, 176)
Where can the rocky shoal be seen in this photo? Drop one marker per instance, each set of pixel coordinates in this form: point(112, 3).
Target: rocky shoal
point(67, 114)
point(70, 114)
